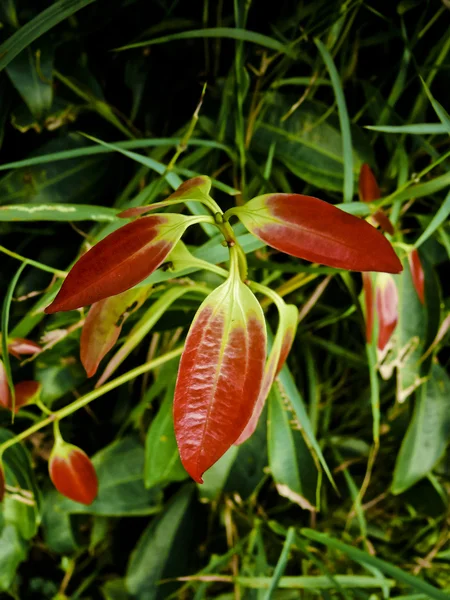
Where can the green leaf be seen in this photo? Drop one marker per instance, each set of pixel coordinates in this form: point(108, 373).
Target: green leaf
point(115, 589)
point(439, 218)
point(59, 370)
point(215, 478)
point(21, 505)
point(347, 151)
point(162, 459)
point(44, 21)
point(409, 336)
point(414, 128)
point(288, 454)
point(57, 182)
point(309, 142)
point(217, 32)
point(428, 433)
point(367, 559)
point(288, 388)
point(59, 533)
point(120, 468)
point(31, 73)
point(148, 561)
point(57, 212)
point(13, 550)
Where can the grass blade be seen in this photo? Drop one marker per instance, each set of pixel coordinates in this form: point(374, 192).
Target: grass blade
point(45, 20)
point(347, 150)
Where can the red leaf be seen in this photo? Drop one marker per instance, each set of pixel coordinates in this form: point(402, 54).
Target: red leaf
point(103, 325)
point(417, 274)
point(220, 375)
point(72, 473)
point(368, 185)
point(120, 261)
point(277, 357)
point(368, 191)
point(314, 230)
point(21, 346)
point(26, 392)
point(387, 308)
point(5, 393)
point(2, 483)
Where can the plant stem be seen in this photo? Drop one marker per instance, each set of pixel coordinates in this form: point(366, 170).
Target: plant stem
point(89, 397)
point(33, 263)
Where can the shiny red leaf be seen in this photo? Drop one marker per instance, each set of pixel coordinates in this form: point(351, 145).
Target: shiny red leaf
point(314, 230)
point(417, 274)
point(26, 392)
point(220, 375)
point(5, 393)
point(103, 325)
point(277, 357)
point(368, 191)
point(73, 473)
point(387, 308)
point(120, 261)
point(21, 347)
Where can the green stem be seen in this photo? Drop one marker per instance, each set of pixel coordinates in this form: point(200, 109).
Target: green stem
point(89, 397)
point(32, 263)
point(262, 289)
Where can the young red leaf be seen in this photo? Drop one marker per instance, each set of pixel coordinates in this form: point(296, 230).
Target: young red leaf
point(20, 347)
point(73, 473)
point(196, 188)
point(2, 482)
point(5, 393)
point(314, 230)
point(368, 191)
point(120, 261)
point(386, 307)
point(26, 392)
point(220, 374)
point(277, 357)
point(103, 325)
point(417, 274)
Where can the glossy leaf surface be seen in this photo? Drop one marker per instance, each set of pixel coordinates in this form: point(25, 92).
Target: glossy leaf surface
point(368, 191)
point(120, 261)
point(314, 230)
point(103, 325)
point(417, 274)
point(26, 392)
point(73, 473)
point(386, 299)
point(277, 357)
point(220, 375)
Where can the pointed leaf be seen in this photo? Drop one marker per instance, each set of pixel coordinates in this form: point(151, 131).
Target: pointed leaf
point(368, 191)
point(196, 188)
point(314, 230)
point(417, 274)
point(20, 346)
point(220, 375)
point(277, 357)
point(120, 261)
point(386, 307)
point(103, 325)
point(428, 433)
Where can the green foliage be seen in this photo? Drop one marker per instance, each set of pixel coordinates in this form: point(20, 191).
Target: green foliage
point(342, 491)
